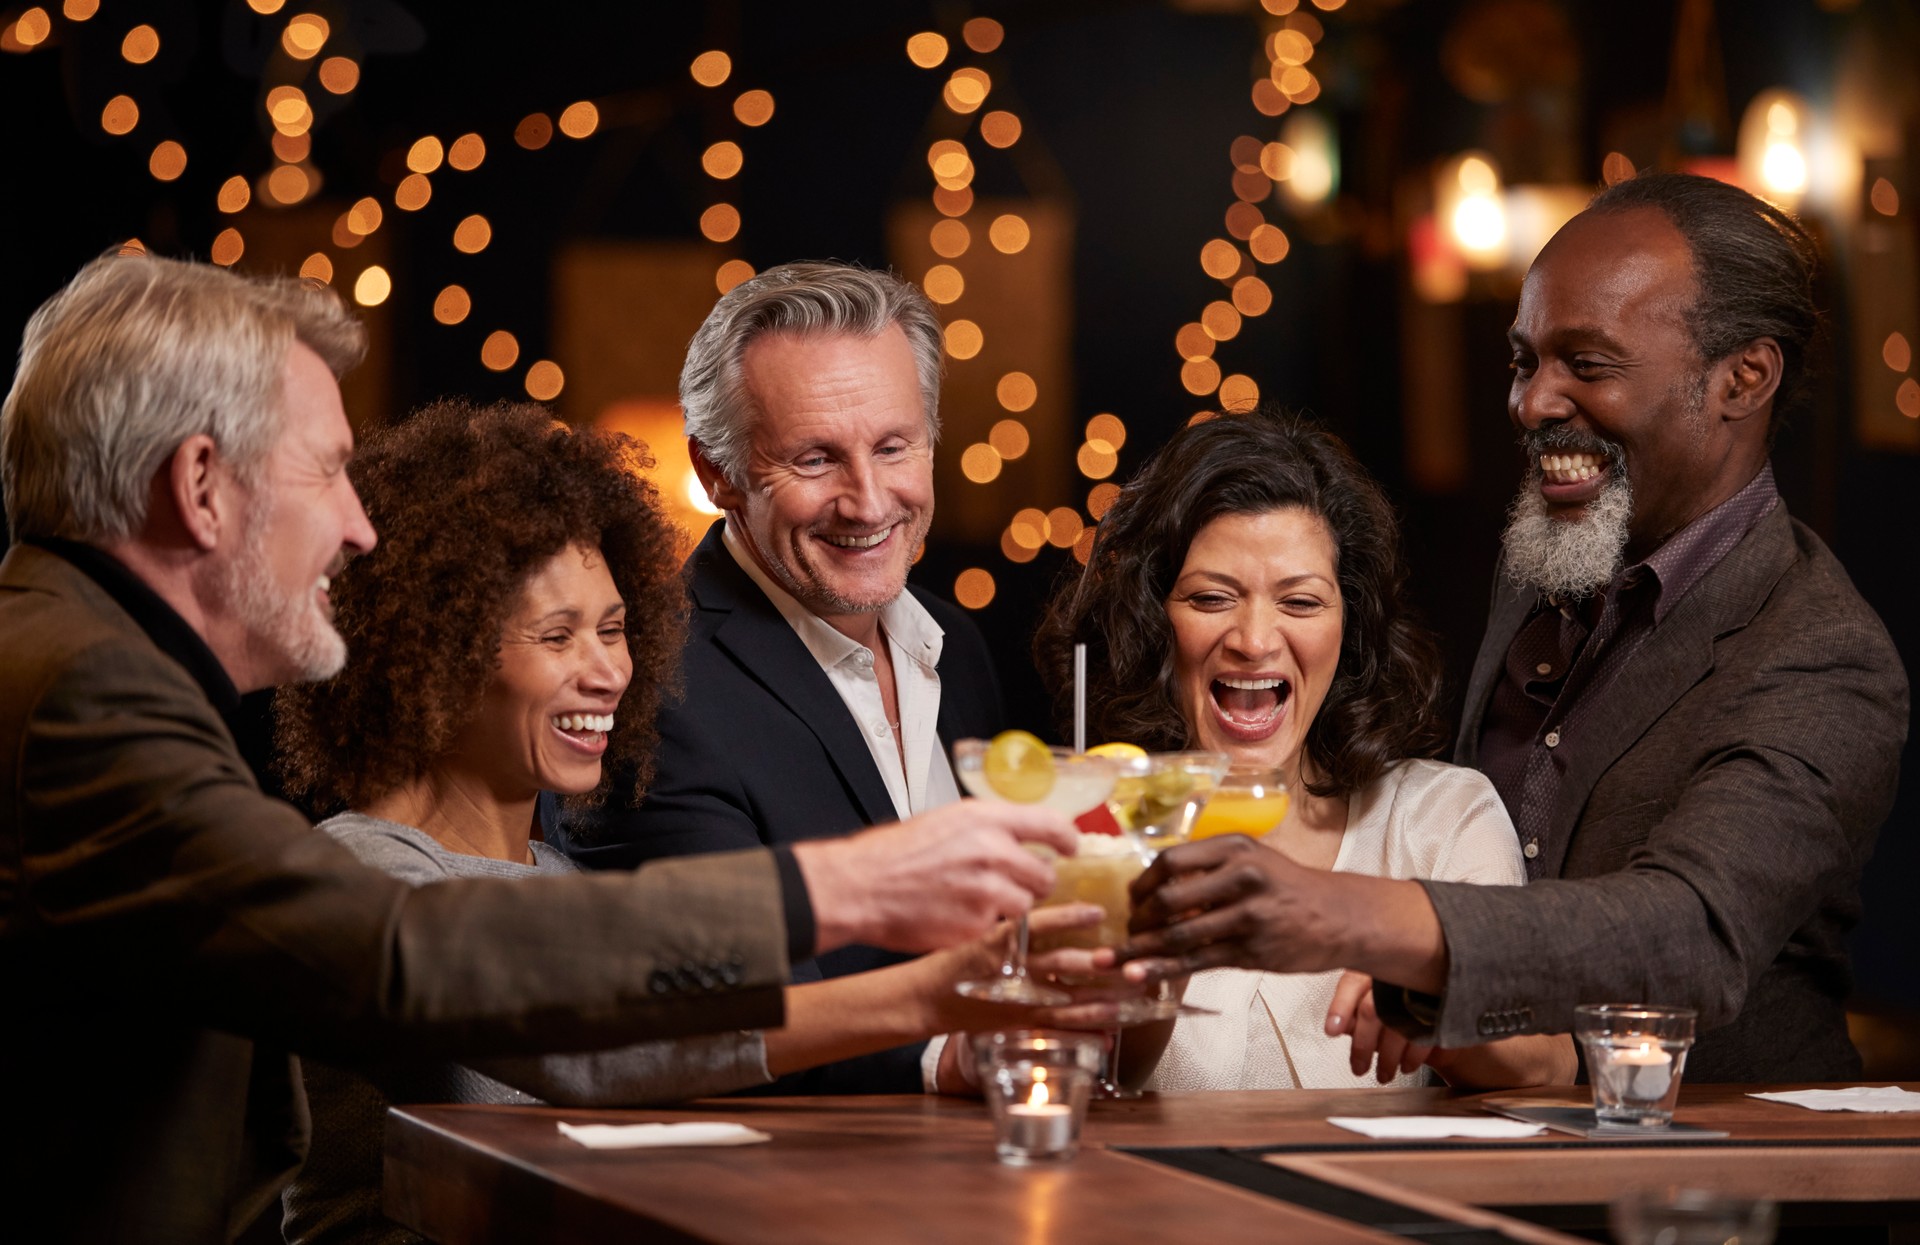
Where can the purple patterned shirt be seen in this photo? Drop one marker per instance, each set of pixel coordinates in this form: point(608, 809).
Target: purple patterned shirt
point(1566, 655)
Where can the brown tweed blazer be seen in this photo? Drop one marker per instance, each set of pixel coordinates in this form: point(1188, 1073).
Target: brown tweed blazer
point(1708, 854)
point(168, 935)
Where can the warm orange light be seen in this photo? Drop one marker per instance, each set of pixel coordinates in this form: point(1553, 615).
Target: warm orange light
point(1896, 353)
point(234, 195)
point(949, 239)
point(452, 305)
point(1193, 342)
point(722, 160)
point(141, 45)
point(1239, 393)
point(711, 68)
point(720, 222)
point(291, 148)
point(467, 152)
point(1016, 391)
point(973, 588)
point(999, 129)
point(580, 119)
point(1028, 528)
point(967, 88)
point(545, 380)
point(120, 115)
point(500, 351)
point(964, 339)
point(425, 155)
point(943, 283)
point(266, 8)
point(305, 36)
point(80, 10)
point(364, 216)
point(953, 202)
point(1221, 321)
point(472, 235)
point(317, 267)
point(1009, 234)
point(168, 161)
point(288, 184)
point(982, 34)
point(1616, 168)
point(1096, 460)
point(1276, 161)
point(534, 131)
point(339, 74)
point(1251, 296)
point(1200, 376)
point(1268, 100)
point(980, 463)
point(1242, 219)
point(1884, 198)
point(1108, 429)
point(1290, 47)
point(927, 49)
point(28, 31)
point(1245, 153)
point(1219, 258)
point(413, 192)
point(1100, 500)
point(1268, 244)
point(1009, 439)
point(754, 107)
point(1013, 551)
point(731, 273)
point(228, 247)
point(1907, 398)
point(1064, 526)
point(371, 288)
point(343, 235)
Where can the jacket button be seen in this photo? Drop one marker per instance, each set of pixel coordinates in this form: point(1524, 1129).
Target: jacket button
point(1531, 850)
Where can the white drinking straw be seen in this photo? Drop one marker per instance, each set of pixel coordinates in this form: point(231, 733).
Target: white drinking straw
point(1079, 698)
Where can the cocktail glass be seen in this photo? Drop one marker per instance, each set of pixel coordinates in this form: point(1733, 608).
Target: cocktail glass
point(1251, 800)
point(1155, 800)
point(1080, 784)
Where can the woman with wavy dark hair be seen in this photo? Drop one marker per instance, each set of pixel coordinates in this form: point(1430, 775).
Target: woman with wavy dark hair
point(512, 633)
point(1244, 595)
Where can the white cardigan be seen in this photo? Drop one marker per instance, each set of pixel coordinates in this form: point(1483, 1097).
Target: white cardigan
point(1421, 819)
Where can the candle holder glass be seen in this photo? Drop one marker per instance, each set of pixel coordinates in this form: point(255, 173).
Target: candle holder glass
point(1635, 1056)
point(1036, 1084)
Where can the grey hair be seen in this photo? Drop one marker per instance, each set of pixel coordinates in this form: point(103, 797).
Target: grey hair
point(803, 298)
point(134, 356)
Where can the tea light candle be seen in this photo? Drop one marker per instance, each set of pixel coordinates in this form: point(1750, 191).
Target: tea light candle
point(1038, 1125)
point(1641, 1073)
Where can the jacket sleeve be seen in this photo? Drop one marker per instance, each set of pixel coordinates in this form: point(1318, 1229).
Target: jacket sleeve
point(1795, 770)
point(151, 870)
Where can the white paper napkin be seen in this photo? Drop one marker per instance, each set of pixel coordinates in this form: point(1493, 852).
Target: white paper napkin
point(1429, 1126)
point(636, 1136)
point(1858, 1098)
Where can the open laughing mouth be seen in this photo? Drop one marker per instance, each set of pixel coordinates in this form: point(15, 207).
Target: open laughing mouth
point(1572, 479)
point(585, 731)
point(1249, 707)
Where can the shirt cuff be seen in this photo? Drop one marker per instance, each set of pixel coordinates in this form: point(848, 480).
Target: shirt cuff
point(930, 1063)
point(802, 933)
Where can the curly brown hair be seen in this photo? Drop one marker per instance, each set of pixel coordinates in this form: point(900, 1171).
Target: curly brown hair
point(1384, 704)
point(470, 503)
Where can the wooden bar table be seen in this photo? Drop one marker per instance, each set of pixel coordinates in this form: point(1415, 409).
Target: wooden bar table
point(1164, 1168)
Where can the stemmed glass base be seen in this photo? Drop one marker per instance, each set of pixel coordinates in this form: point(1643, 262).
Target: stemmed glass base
point(1012, 984)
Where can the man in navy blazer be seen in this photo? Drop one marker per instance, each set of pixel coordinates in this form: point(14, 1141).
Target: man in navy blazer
point(822, 693)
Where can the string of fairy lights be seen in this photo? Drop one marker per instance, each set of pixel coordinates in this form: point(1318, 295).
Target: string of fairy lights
point(1252, 241)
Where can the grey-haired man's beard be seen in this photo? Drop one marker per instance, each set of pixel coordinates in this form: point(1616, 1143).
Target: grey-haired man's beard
point(298, 637)
point(1568, 558)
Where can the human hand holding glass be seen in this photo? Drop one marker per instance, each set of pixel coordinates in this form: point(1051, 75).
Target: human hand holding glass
point(1017, 768)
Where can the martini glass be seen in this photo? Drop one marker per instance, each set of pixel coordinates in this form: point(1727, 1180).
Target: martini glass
point(1074, 784)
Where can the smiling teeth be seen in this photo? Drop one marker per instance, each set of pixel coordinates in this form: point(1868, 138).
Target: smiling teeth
point(1570, 468)
point(859, 542)
point(602, 722)
point(1251, 685)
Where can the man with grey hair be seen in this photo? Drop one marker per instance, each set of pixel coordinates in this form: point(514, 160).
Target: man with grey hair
point(822, 691)
point(174, 457)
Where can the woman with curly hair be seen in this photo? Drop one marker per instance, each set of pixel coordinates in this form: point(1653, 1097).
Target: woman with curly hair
point(1244, 596)
point(512, 634)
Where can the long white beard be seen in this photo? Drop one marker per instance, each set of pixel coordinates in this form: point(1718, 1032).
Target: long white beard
point(1568, 558)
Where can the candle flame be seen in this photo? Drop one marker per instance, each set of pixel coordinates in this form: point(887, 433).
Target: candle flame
point(1039, 1098)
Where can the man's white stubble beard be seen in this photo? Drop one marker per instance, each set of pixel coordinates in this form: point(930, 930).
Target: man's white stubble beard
point(1568, 558)
point(290, 628)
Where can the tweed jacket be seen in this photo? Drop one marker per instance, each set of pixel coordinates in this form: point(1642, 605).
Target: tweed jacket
point(1707, 851)
point(168, 935)
point(762, 750)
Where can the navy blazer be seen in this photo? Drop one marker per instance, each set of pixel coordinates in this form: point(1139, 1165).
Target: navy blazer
point(760, 749)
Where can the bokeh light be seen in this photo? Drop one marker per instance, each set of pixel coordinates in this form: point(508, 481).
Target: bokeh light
point(500, 351)
point(425, 155)
point(545, 380)
point(943, 283)
point(141, 44)
point(228, 247)
point(365, 216)
point(1016, 391)
point(1064, 526)
point(371, 287)
point(1239, 393)
point(234, 195)
point(452, 305)
point(754, 107)
point(1000, 129)
point(1907, 398)
point(471, 235)
point(1252, 296)
point(964, 339)
point(1100, 499)
point(1896, 353)
point(927, 49)
point(1009, 439)
point(120, 115)
point(339, 74)
point(982, 34)
point(1014, 551)
point(720, 222)
point(974, 588)
point(289, 184)
point(168, 161)
point(980, 463)
point(580, 119)
point(467, 152)
point(711, 68)
point(317, 267)
point(534, 131)
point(1219, 258)
point(1096, 461)
point(949, 239)
point(731, 273)
point(1009, 234)
point(722, 160)
point(1884, 197)
point(413, 192)
point(1108, 430)
point(1193, 342)
point(1028, 528)
point(1268, 244)
point(1200, 376)
point(305, 35)
point(1220, 320)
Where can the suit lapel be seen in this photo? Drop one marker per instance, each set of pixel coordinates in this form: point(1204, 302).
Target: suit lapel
point(1674, 657)
point(761, 642)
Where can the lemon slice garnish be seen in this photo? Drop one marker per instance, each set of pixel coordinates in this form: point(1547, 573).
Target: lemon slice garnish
point(1018, 767)
point(1121, 751)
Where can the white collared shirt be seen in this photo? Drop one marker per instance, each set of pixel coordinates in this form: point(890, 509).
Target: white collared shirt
point(914, 641)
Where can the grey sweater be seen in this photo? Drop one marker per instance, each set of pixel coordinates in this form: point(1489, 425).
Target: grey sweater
point(336, 1196)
